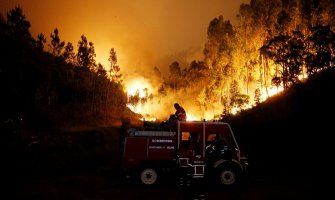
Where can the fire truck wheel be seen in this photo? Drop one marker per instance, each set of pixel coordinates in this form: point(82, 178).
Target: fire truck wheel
point(228, 176)
point(148, 176)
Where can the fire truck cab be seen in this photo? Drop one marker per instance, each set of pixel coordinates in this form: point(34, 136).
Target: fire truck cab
point(197, 149)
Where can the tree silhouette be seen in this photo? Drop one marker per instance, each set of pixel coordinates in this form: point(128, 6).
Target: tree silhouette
point(135, 99)
point(17, 23)
point(114, 71)
point(322, 46)
point(276, 49)
point(175, 72)
point(295, 56)
point(101, 70)
point(41, 40)
point(86, 54)
point(56, 45)
point(68, 55)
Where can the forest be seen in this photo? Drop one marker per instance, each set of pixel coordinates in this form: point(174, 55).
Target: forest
point(274, 46)
point(55, 87)
point(279, 45)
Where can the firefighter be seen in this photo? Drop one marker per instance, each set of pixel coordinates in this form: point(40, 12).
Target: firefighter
point(180, 113)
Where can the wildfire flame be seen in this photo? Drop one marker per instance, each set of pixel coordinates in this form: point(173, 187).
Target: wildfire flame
point(191, 117)
point(141, 87)
point(138, 85)
point(152, 109)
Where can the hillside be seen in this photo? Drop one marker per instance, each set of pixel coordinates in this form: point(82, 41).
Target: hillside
point(287, 139)
point(291, 131)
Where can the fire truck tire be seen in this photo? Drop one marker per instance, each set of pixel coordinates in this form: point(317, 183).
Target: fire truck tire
point(148, 176)
point(228, 176)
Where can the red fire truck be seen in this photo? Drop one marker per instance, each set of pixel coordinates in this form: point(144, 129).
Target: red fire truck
point(198, 149)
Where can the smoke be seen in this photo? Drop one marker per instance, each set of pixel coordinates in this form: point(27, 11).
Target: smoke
point(157, 103)
point(145, 34)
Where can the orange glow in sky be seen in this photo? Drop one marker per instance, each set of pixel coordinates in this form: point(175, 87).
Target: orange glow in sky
point(144, 33)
